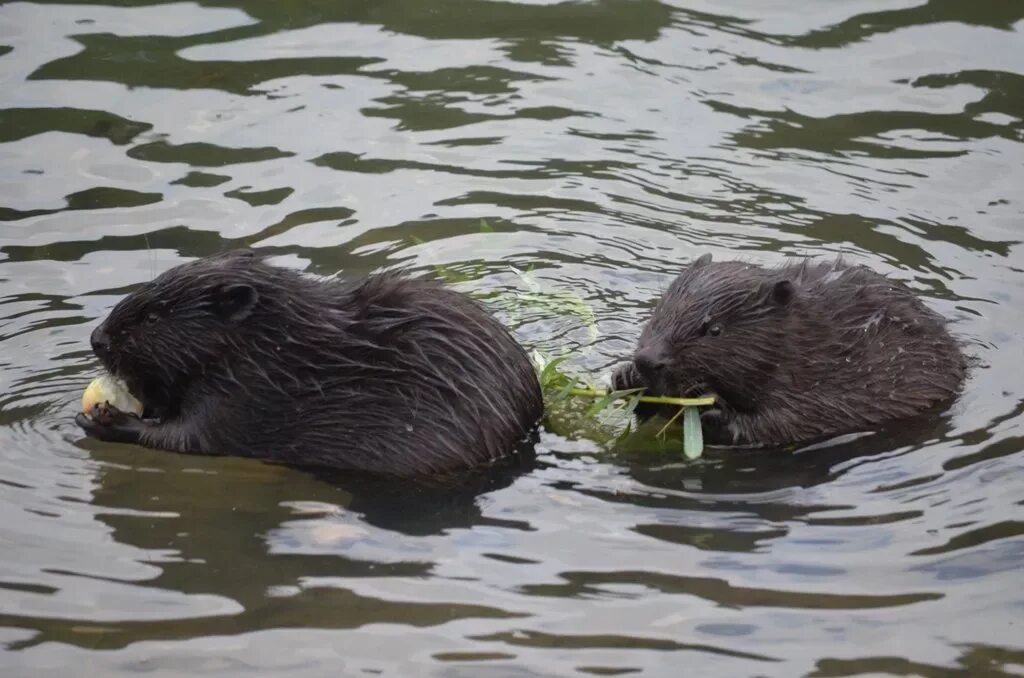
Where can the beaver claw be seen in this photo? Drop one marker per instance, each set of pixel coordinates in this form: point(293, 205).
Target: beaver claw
point(108, 423)
point(625, 377)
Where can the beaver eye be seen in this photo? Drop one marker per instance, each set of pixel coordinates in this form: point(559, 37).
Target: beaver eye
point(713, 330)
point(152, 317)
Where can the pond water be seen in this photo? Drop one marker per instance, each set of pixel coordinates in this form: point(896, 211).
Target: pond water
point(606, 143)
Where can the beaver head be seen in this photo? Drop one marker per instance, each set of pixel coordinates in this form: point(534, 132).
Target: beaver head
point(164, 334)
point(722, 328)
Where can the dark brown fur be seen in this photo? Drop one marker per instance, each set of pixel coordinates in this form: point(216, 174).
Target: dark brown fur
point(231, 355)
point(795, 353)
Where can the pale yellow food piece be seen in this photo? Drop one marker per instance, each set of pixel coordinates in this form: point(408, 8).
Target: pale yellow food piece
point(107, 389)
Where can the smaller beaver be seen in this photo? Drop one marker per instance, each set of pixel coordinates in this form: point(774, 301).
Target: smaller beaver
point(388, 374)
point(796, 353)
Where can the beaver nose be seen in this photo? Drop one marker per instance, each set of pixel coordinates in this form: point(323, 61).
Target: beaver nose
point(649, 363)
point(100, 341)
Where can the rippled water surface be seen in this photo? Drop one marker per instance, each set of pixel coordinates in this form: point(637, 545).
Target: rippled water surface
point(606, 143)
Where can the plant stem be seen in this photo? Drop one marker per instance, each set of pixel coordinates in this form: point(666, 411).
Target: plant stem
point(656, 400)
point(675, 416)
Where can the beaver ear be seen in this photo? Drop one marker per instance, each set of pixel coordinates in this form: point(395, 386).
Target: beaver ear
point(782, 293)
point(239, 253)
point(235, 302)
point(776, 294)
point(703, 260)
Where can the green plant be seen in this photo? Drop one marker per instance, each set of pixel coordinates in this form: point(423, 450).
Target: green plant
point(564, 393)
point(560, 389)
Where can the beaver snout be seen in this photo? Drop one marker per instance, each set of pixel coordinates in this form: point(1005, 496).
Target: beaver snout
point(651, 363)
point(100, 341)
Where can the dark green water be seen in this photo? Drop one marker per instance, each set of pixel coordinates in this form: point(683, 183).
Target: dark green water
point(606, 143)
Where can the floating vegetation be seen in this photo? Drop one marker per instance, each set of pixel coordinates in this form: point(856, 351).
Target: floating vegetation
point(562, 389)
point(574, 406)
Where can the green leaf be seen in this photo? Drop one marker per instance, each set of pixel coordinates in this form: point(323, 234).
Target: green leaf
point(564, 390)
point(600, 404)
point(693, 436)
point(550, 375)
point(551, 302)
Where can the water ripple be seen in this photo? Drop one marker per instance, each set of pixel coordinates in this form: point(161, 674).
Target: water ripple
point(603, 144)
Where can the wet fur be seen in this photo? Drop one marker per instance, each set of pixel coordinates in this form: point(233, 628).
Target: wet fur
point(806, 350)
point(387, 374)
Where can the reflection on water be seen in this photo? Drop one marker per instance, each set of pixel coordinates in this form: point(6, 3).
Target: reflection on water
point(604, 143)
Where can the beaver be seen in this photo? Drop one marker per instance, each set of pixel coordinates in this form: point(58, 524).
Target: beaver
point(795, 353)
point(387, 374)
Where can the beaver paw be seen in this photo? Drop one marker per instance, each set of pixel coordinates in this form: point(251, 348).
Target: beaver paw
point(626, 377)
point(108, 423)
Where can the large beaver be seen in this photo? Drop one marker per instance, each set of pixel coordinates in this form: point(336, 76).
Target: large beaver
point(800, 352)
point(231, 355)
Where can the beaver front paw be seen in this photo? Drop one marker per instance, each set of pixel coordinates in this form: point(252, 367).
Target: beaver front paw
point(626, 377)
point(108, 423)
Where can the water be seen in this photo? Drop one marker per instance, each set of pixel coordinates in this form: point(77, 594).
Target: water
point(605, 143)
